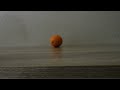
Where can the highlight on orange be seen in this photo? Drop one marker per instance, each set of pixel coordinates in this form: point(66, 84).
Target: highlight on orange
point(56, 41)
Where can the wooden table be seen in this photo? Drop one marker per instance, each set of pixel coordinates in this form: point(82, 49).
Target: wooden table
point(82, 61)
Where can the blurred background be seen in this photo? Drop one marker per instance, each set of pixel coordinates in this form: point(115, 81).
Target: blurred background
point(34, 28)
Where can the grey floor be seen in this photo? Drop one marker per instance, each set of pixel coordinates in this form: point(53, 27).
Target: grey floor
point(90, 61)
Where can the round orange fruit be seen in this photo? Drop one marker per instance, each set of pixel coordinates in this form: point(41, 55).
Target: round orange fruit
point(56, 41)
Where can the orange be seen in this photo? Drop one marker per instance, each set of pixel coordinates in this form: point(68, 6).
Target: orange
point(56, 41)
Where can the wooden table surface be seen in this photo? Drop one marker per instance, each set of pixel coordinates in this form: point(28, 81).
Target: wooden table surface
point(83, 61)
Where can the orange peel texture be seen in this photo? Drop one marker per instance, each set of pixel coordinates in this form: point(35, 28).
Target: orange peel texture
point(56, 41)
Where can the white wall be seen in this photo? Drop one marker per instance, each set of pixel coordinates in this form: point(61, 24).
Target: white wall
point(76, 27)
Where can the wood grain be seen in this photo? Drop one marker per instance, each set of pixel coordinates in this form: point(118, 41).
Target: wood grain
point(73, 72)
point(65, 62)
